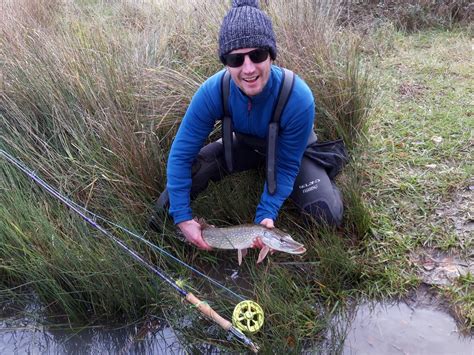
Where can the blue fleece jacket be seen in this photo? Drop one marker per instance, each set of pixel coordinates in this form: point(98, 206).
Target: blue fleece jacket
point(250, 115)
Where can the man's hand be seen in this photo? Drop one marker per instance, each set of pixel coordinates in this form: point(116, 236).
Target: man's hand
point(268, 223)
point(192, 232)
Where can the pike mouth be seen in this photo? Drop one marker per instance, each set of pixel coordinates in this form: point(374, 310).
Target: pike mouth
point(299, 250)
point(296, 250)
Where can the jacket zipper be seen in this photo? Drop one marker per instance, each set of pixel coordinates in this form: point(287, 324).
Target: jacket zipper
point(249, 108)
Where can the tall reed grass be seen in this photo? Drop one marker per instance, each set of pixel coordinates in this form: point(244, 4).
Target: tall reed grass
point(92, 94)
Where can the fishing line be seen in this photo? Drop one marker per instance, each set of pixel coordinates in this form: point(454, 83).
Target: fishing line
point(163, 251)
point(20, 165)
point(243, 314)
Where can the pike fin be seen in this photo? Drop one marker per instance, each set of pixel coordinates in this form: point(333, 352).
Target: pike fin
point(241, 254)
point(263, 254)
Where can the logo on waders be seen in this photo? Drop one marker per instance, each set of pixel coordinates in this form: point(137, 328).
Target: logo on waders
point(309, 186)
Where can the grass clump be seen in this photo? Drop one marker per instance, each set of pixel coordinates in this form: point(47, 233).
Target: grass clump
point(92, 98)
point(330, 62)
point(462, 295)
point(71, 268)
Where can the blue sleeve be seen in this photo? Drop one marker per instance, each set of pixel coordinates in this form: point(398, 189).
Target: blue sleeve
point(203, 111)
point(295, 129)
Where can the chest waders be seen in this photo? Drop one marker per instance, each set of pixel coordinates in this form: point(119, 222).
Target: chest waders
point(286, 86)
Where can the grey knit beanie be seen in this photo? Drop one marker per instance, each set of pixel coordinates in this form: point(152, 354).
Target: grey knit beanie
point(246, 26)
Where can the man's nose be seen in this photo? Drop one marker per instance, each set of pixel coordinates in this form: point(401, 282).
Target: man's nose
point(248, 65)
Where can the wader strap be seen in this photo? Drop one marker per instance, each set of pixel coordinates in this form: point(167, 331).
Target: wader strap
point(227, 122)
point(273, 128)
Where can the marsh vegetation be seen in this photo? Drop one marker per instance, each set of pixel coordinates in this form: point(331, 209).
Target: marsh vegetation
point(92, 93)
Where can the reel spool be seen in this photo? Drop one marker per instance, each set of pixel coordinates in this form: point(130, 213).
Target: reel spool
point(248, 317)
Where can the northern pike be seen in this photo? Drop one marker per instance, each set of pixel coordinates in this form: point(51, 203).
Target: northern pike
point(246, 236)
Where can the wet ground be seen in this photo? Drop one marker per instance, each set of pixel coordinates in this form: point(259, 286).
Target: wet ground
point(400, 328)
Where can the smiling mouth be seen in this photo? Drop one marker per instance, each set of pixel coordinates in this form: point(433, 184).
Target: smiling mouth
point(251, 80)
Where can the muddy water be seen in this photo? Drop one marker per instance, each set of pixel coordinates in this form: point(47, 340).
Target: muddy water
point(378, 329)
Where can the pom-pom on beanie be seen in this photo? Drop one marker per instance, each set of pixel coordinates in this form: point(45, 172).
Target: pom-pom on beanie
point(246, 26)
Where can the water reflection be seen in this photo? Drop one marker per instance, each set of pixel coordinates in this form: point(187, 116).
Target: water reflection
point(400, 329)
point(375, 329)
point(34, 339)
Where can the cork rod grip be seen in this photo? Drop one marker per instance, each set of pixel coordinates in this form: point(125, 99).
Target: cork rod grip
point(205, 309)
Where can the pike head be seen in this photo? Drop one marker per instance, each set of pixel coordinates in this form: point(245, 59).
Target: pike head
point(275, 239)
point(278, 240)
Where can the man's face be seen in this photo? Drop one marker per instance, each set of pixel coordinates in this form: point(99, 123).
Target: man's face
point(250, 77)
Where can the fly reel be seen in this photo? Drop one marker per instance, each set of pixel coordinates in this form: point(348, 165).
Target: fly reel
point(248, 317)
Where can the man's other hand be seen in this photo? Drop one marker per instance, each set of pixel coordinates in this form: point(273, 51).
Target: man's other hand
point(267, 222)
point(192, 232)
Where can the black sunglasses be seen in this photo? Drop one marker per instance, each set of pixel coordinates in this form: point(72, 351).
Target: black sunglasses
point(237, 59)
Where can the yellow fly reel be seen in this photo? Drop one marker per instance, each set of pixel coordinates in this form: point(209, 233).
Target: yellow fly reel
point(248, 317)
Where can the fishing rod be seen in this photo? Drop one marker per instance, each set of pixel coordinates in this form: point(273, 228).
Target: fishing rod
point(245, 313)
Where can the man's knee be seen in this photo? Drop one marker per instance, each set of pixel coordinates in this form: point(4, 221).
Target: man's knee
point(208, 166)
point(316, 194)
point(327, 210)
